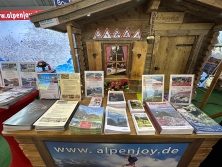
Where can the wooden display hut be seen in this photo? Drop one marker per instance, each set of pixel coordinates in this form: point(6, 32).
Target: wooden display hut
point(155, 37)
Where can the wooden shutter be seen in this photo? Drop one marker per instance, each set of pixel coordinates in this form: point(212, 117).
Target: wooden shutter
point(94, 56)
point(138, 59)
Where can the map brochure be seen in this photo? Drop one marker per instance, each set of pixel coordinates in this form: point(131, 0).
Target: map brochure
point(87, 120)
point(152, 88)
point(10, 75)
point(167, 119)
point(135, 106)
point(28, 75)
point(57, 117)
point(94, 83)
point(96, 101)
point(116, 121)
point(201, 122)
point(48, 86)
point(116, 99)
point(180, 89)
point(25, 118)
point(142, 124)
point(70, 86)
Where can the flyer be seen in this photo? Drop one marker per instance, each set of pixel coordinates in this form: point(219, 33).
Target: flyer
point(152, 88)
point(181, 87)
point(70, 86)
point(94, 83)
point(10, 75)
point(48, 86)
point(28, 75)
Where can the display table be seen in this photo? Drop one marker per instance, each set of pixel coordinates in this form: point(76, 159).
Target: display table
point(37, 145)
point(17, 156)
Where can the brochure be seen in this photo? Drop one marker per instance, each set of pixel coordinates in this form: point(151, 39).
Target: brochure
point(28, 74)
point(94, 83)
point(70, 86)
point(10, 75)
point(48, 86)
point(152, 88)
point(181, 87)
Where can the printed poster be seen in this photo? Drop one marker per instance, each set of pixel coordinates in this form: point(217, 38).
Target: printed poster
point(181, 87)
point(152, 88)
point(115, 154)
point(28, 74)
point(10, 75)
point(48, 86)
point(94, 83)
point(70, 87)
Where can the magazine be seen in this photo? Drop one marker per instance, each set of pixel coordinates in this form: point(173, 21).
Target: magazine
point(87, 120)
point(94, 83)
point(70, 87)
point(116, 99)
point(152, 88)
point(181, 87)
point(201, 122)
point(167, 119)
point(116, 121)
point(142, 124)
point(57, 117)
point(135, 106)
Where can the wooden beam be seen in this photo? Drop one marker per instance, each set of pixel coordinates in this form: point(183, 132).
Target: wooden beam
point(169, 17)
point(76, 30)
point(212, 85)
point(93, 10)
point(193, 55)
point(192, 8)
point(184, 26)
point(152, 5)
point(71, 42)
point(63, 10)
point(214, 3)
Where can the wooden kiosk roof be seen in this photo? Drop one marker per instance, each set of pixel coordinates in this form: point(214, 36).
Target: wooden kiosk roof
point(76, 12)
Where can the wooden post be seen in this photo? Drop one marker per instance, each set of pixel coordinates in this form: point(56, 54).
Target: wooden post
point(71, 43)
point(212, 85)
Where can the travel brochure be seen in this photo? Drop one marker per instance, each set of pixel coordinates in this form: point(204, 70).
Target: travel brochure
point(181, 87)
point(10, 74)
point(94, 83)
point(142, 124)
point(87, 120)
point(48, 86)
point(202, 123)
point(152, 88)
point(28, 75)
point(135, 106)
point(57, 117)
point(167, 119)
point(70, 87)
point(116, 121)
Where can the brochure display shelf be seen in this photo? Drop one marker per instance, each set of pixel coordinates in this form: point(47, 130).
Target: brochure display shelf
point(35, 144)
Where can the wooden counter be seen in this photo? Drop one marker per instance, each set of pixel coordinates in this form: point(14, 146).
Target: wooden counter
point(32, 142)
